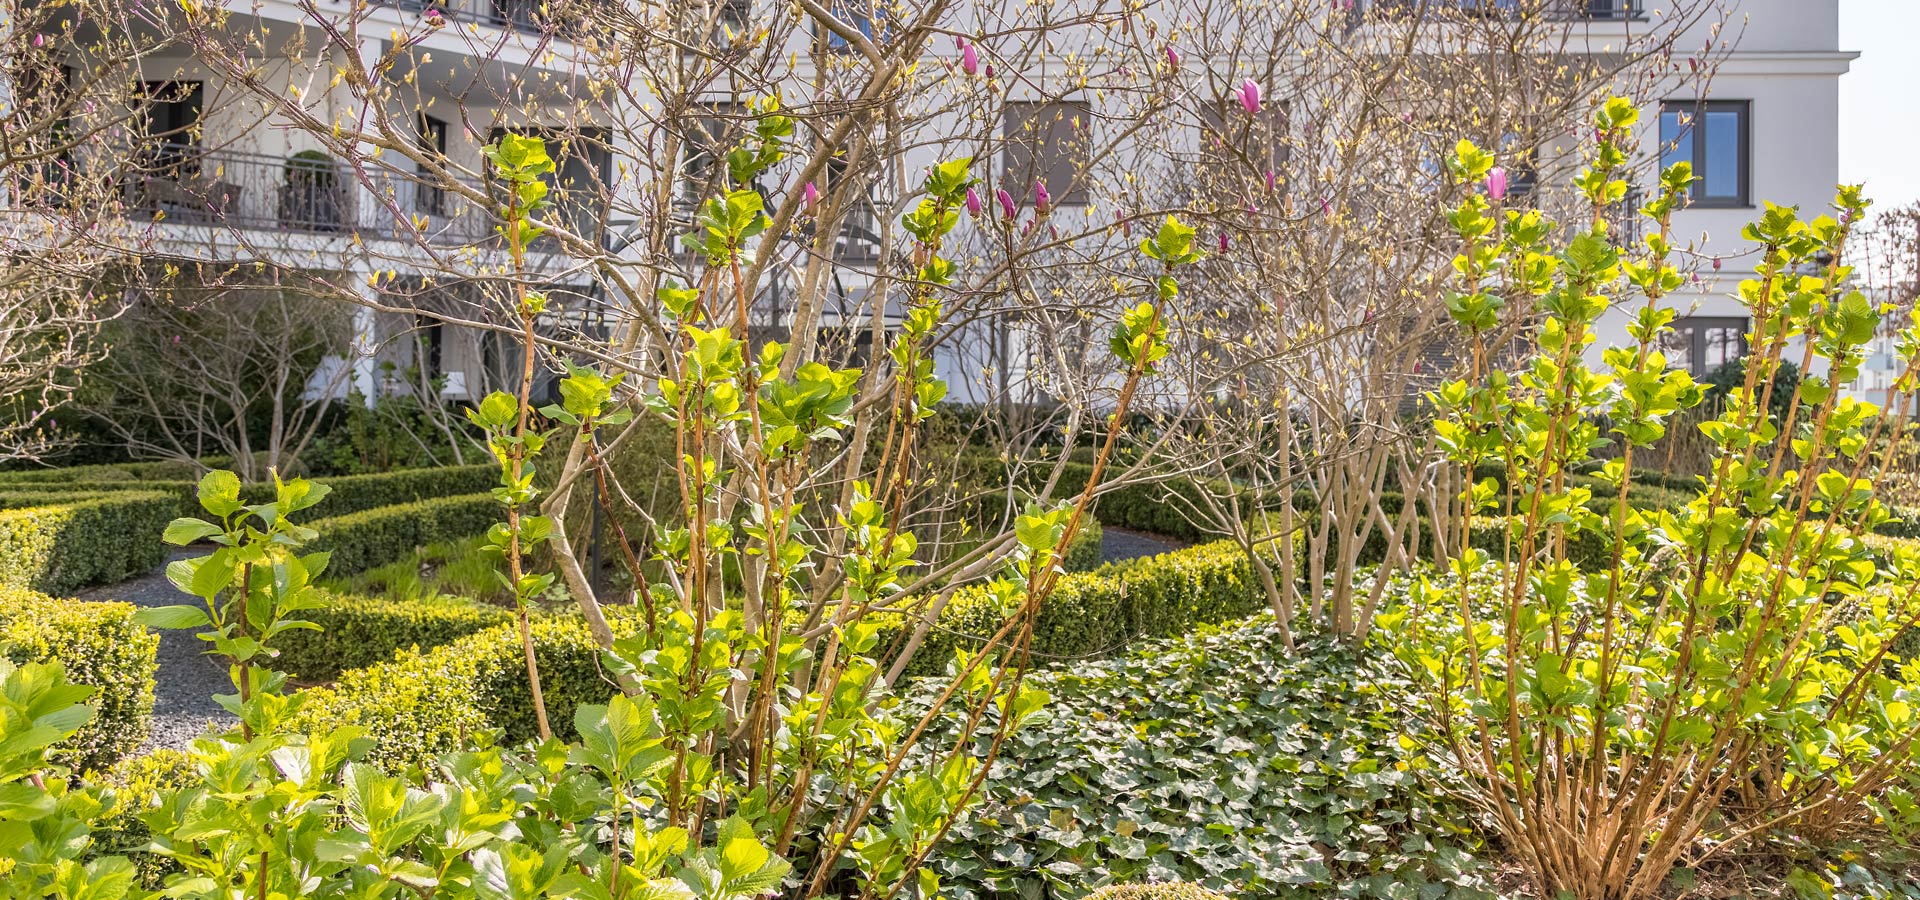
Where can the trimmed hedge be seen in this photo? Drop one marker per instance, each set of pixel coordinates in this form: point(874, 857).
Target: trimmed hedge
point(349, 494)
point(363, 631)
point(88, 540)
point(362, 540)
point(101, 647)
point(425, 702)
point(1100, 612)
point(358, 493)
point(1168, 890)
point(421, 705)
point(1083, 555)
point(148, 472)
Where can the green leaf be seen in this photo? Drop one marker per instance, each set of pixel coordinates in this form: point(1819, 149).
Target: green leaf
point(183, 531)
point(172, 617)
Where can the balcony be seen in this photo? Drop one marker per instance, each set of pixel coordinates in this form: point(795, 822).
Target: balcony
point(530, 16)
point(308, 193)
point(1555, 10)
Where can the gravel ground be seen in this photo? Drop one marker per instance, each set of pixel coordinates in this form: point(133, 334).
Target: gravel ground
point(188, 678)
point(1118, 544)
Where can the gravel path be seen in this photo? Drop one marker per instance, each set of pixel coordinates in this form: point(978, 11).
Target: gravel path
point(187, 678)
point(1118, 544)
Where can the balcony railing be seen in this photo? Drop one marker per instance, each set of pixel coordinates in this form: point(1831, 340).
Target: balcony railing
point(521, 15)
point(1558, 10)
point(308, 193)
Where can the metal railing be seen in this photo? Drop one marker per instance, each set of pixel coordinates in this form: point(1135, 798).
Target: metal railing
point(520, 15)
point(307, 193)
point(1557, 10)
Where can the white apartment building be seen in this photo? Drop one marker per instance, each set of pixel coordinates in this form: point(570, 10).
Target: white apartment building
point(233, 183)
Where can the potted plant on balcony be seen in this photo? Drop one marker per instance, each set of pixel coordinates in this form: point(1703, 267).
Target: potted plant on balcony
point(312, 196)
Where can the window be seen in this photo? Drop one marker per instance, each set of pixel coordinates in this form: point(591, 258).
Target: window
point(1713, 136)
point(1048, 141)
point(170, 118)
point(1701, 344)
point(1229, 134)
point(578, 186)
point(432, 199)
point(869, 17)
point(710, 135)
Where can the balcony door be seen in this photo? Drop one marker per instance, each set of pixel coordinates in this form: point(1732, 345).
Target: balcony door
point(170, 124)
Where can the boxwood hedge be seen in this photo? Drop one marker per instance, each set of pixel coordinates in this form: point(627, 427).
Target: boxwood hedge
point(368, 538)
point(348, 494)
point(101, 647)
point(357, 632)
point(425, 700)
point(70, 543)
point(1100, 612)
point(422, 704)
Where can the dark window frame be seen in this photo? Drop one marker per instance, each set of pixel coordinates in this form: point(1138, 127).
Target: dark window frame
point(1038, 163)
point(432, 134)
point(1696, 134)
point(1696, 327)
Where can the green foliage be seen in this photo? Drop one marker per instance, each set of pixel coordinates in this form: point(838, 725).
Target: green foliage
point(126, 473)
point(100, 646)
point(358, 493)
point(357, 632)
point(1101, 612)
point(464, 569)
point(1165, 890)
point(1726, 669)
point(74, 543)
point(362, 540)
point(420, 705)
point(1223, 759)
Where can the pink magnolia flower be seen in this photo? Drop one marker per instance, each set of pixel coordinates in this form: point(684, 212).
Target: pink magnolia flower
point(1173, 57)
point(39, 40)
point(1041, 199)
point(1249, 95)
point(969, 59)
point(1497, 183)
point(1273, 181)
point(973, 202)
point(810, 194)
point(1326, 207)
point(1006, 201)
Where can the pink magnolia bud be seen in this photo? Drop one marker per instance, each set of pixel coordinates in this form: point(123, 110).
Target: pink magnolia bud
point(1223, 242)
point(1006, 201)
point(1173, 57)
point(969, 60)
point(810, 194)
point(1497, 183)
point(1326, 207)
point(39, 40)
point(1249, 94)
point(973, 202)
point(1042, 200)
point(1273, 181)
point(989, 71)
point(1716, 264)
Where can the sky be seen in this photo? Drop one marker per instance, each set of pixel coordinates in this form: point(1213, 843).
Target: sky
point(1880, 99)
